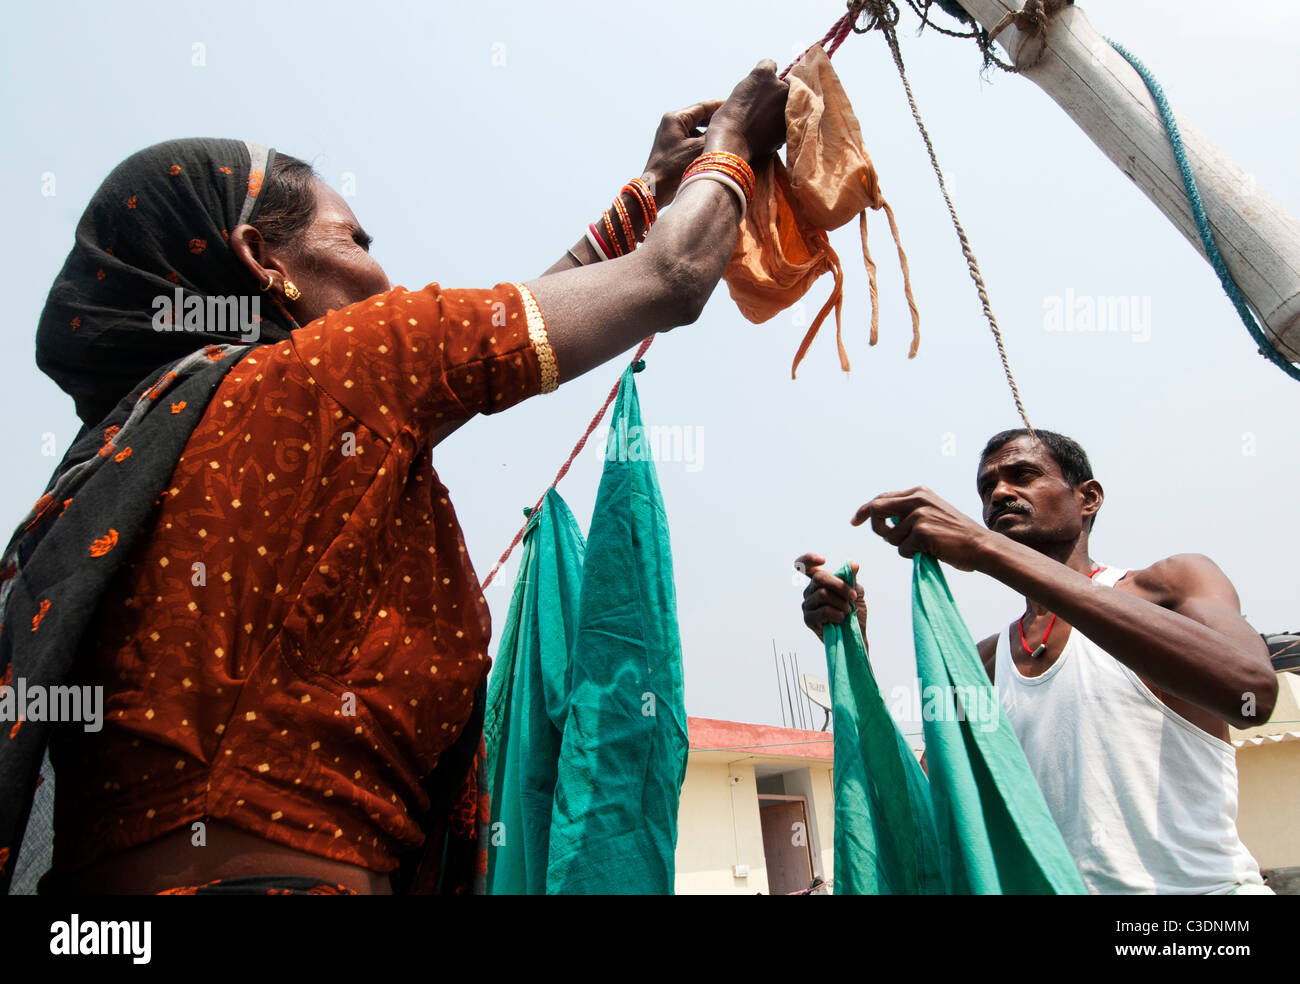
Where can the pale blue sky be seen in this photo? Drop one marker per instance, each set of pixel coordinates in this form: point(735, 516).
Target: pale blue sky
point(482, 138)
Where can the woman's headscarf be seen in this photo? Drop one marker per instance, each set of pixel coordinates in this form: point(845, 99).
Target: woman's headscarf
point(160, 221)
point(157, 225)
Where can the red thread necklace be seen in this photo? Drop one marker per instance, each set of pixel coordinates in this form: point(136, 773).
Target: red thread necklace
point(1042, 646)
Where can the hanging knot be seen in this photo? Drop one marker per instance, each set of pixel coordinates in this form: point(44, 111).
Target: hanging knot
point(638, 365)
point(880, 13)
point(1031, 21)
point(528, 512)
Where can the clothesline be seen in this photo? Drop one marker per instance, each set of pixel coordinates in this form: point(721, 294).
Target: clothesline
point(564, 468)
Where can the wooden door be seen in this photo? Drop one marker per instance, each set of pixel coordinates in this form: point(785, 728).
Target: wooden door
point(786, 846)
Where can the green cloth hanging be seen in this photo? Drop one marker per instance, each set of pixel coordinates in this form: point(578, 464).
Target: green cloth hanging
point(585, 722)
point(979, 824)
point(995, 832)
point(884, 841)
point(623, 759)
point(528, 700)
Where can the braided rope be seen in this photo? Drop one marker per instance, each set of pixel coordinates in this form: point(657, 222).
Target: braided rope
point(1211, 248)
point(982, 39)
point(564, 468)
point(833, 39)
point(923, 11)
point(878, 9)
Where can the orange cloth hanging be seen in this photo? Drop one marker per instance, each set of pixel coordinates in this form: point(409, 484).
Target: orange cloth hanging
point(828, 178)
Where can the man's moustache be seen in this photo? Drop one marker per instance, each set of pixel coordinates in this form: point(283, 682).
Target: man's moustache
point(1017, 508)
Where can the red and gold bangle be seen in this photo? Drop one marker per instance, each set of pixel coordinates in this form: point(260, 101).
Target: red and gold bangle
point(609, 229)
point(727, 169)
point(738, 167)
point(598, 244)
point(625, 220)
point(611, 244)
point(727, 164)
point(641, 192)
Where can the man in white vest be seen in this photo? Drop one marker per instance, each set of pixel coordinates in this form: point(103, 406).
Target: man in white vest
point(1120, 684)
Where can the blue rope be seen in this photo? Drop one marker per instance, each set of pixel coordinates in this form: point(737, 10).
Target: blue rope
point(1266, 348)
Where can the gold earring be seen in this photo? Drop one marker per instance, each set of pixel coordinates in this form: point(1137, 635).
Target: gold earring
point(270, 279)
point(290, 291)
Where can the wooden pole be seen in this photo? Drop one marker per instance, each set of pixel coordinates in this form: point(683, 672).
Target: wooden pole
point(1106, 97)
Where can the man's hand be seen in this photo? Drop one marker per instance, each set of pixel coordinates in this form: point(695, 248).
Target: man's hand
point(828, 598)
point(678, 141)
point(926, 524)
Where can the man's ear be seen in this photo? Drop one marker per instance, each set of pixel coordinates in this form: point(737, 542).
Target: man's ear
point(252, 251)
point(1093, 496)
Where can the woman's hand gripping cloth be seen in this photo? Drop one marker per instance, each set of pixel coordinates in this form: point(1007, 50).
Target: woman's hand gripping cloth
point(979, 824)
point(828, 178)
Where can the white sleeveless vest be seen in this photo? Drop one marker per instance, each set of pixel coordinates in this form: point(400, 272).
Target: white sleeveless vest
point(1146, 800)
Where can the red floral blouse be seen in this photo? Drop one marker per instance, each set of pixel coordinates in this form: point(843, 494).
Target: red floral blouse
point(300, 634)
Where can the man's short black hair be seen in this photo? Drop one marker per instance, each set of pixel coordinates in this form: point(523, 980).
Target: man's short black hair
point(1069, 456)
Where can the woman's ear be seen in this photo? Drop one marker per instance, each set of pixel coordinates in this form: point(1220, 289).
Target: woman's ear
point(252, 252)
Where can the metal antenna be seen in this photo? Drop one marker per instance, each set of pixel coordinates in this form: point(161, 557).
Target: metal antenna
point(788, 693)
point(776, 663)
point(798, 679)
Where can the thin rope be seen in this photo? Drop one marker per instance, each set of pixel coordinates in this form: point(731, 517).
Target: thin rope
point(768, 744)
point(1032, 19)
point(564, 468)
point(981, 36)
point(879, 11)
point(1208, 243)
point(923, 11)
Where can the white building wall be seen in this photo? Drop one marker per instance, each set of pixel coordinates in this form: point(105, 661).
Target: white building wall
point(717, 827)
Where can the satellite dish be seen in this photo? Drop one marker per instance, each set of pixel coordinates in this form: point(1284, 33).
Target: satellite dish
point(818, 691)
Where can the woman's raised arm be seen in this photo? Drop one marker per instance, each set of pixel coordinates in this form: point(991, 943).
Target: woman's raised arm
point(677, 143)
point(594, 313)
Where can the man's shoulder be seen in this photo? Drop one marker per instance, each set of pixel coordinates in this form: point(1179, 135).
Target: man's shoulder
point(1172, 579)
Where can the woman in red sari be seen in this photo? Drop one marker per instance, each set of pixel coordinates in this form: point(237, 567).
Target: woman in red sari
point(293, 639)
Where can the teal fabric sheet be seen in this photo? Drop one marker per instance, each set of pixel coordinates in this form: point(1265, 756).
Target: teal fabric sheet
point(979, 824)
point(527, 699)
point(586, 708)
point(884, 824)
